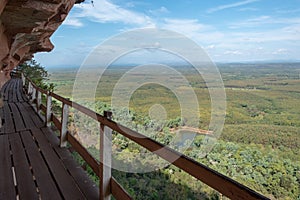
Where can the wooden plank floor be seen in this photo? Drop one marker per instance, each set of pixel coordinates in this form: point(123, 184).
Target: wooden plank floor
point(33, 166)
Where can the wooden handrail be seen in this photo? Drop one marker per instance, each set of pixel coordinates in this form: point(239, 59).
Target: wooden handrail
point(56, 122)
point(90, 160)
point(118, 191)
point(212, 178)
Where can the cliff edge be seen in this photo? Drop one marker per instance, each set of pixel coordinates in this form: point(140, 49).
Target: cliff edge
point(26, 27)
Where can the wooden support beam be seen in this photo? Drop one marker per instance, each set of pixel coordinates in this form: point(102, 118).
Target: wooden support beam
point(105, 159)
point(48, 110)
point(38, 101)
point(23, 79)
point(33, 94)
point(29, 90)
point(64, 125)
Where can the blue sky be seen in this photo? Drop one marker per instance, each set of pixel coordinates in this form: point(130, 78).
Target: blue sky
point(228, 30)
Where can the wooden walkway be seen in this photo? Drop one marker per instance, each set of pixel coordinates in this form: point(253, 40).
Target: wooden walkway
point(33, 166)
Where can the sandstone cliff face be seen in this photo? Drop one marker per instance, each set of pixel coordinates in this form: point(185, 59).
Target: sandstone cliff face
point(25, 28)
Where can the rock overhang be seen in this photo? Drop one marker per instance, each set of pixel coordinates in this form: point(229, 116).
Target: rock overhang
point(26, 27)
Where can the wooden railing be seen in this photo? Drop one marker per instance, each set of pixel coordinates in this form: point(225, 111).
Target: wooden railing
point(108, 185)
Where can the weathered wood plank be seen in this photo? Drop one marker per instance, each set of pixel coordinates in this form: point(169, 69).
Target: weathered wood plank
point(63, 179)
point(25, 183)
point(19, 90)
point(56, 174)
point(15, 90)
point(20, 94)
point(17, 118)
point(46, 184)
point(87, 186)
point(4, 90)
point(25, 115)
point(33, 115)
point(11, 91)
point(7, 187)
point(8, 92)
point(1, 117)
point(9, 126)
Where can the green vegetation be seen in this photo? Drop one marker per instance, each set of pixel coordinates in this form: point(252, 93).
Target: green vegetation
point(259, 146)
point(37, 73)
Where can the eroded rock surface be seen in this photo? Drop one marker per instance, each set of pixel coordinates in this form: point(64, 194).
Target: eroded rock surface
point(26, 27)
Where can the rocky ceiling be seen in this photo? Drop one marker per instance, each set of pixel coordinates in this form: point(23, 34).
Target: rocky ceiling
point(26, 27)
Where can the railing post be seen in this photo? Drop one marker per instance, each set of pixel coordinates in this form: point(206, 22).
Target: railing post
point(33, 93)
point(23, 79)
point(38, 100)
point(48, 109)
point(29, 90)
point(105, 159)
point(64, 125)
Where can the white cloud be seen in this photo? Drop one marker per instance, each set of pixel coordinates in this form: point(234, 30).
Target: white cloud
point(235, 52)
point(184, 25)
point(280, 52)
point(232, 5)
point(248, 9)
point(103, 11)
point(130, 4)
point(192, 28)
point(212, 46)
point(281, 35)
point(294, 29)
point(161, 10)
point(269, 36)
point(264, 20)
point(70, 21)
point(289, 11)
